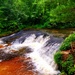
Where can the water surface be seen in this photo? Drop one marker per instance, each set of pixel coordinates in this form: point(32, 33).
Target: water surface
point(19, 64)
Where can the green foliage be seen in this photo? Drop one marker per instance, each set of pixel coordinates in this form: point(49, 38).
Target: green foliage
point(19, 14)
point(67, 42)
point(67, 67)
point(63, 13)
point(58, 57)
point(63, 73)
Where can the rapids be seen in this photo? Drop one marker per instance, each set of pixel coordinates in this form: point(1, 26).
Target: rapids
point(39, 46)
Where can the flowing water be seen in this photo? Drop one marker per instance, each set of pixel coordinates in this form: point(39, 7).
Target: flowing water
point(37, 46)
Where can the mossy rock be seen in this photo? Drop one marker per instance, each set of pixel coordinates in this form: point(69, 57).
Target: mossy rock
point(68, 66)
point(66, 45)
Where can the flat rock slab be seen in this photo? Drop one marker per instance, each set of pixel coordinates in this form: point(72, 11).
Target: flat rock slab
point(16, 66)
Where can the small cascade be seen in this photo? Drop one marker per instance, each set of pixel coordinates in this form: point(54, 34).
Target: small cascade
point(42, 48)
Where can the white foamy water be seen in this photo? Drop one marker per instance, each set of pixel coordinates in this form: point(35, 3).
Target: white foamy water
point(42, 56)
point(42, 52)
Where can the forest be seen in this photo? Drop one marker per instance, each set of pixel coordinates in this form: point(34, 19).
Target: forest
point(16, 15)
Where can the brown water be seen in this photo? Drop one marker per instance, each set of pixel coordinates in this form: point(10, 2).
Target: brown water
point(61, 32)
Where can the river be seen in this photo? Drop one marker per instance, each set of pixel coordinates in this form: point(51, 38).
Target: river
point(31, 52)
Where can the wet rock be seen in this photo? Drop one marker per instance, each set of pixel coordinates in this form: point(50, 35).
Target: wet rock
point(13, 53)
point(15, 67)
point(6, 56)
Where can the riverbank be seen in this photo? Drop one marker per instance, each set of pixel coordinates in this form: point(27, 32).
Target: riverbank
point(65, 56)
point(56, 32)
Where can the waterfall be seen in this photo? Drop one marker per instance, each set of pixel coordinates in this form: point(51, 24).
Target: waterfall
point(42, 48)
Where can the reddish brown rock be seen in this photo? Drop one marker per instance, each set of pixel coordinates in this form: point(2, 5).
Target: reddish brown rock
point(1, 46)
point(15, 66)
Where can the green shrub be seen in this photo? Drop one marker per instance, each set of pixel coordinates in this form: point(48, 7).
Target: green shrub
point(66, 67)
point(67, 42)
point(58, 57)
point(63, 73)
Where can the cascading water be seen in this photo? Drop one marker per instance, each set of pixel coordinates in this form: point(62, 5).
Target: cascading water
point(42, 48)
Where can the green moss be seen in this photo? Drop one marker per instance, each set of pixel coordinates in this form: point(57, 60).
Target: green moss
point(58, 58)
point(67, 42)
point(67, 67)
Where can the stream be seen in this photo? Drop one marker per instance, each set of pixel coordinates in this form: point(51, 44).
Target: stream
point(31, 52)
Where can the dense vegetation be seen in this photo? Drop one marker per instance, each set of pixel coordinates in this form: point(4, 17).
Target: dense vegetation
point(67, 67)
point(18, 14)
